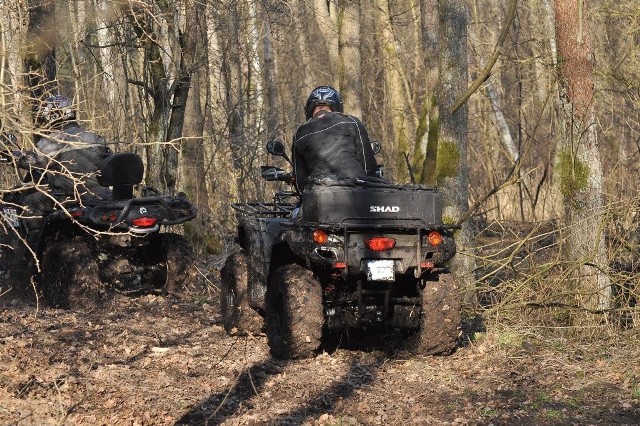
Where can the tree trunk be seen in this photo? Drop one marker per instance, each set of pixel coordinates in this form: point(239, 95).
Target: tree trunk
point(273, 118)
point(580, 168)
point(13, 29)
point(452, 172)
point(349, 51)
point(41, 53)
point(326, 18)
point(426, 146)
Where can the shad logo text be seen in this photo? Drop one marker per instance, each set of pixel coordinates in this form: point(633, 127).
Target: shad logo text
point(384, 209)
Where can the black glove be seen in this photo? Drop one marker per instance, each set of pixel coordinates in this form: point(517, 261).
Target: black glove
point(28, 160)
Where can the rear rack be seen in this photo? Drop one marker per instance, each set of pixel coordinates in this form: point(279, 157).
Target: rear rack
point(264, 209)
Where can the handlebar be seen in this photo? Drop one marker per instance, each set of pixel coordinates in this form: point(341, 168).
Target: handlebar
point(8, 157)
point(271, 173)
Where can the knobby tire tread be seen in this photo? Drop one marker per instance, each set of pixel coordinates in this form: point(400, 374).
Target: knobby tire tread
point(180, 262)
point(440, 318)
point(70, 277)
point(237, 316)
point(294, 313)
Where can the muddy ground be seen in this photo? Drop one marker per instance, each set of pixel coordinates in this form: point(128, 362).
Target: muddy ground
point(156, 360)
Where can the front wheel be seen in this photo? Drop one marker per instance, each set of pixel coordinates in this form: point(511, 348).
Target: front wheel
point(294, 317)
point(70, 276)
point(237, 316)
point(440, 318)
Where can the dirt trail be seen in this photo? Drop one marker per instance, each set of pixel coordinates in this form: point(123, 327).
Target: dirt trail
point(156, 360)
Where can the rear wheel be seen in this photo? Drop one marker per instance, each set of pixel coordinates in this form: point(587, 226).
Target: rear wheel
point(294, 313)
point(439, 319)
point(238, 317)
point(70, 276)
point(179, 262)
point(15, 269)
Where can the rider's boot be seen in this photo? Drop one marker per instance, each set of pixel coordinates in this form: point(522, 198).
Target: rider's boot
point(33, 237)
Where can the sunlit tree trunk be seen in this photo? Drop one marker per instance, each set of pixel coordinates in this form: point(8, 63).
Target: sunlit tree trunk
point(14, 99)
point(325, 40)
point(349, 52)
point(397, 103)
point(40, 50)
point(273, 117)
point(581, 179)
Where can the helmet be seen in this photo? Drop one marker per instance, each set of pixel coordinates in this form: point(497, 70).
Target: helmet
point(323, 95)
point(56, 109)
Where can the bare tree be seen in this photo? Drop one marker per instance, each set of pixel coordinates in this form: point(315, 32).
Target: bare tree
point(41, 50)
point(452, 172)
point(581, 179)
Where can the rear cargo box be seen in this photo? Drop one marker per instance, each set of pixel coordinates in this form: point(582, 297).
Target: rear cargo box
point(394, 205)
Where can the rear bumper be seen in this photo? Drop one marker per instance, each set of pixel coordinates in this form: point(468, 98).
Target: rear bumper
point(345, 248)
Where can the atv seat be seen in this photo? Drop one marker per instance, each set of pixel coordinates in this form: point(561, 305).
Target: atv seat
point(121, 172)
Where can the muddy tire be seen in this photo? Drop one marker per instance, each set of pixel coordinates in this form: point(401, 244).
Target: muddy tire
point(16, 267)
point(439, 320)
point(70, 278)
point(179, 261)
point(294, 313)
point(237, 316)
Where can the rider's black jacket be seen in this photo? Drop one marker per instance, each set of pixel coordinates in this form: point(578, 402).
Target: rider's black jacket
point(333, 144)
point(71, 156)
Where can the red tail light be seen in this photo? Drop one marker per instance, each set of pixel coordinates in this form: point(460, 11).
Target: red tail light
point(380, 243)
point(144, 222)
point(109, 217)
point(435, 238)
point(320, 237)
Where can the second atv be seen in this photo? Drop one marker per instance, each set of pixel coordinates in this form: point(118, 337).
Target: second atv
point(108, 241)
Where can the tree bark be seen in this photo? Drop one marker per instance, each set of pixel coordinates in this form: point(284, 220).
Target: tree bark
point(452, 171)
point(273, 118)
point(13, 29)
point(426, 144)
point(350, 75)
point(581, 180)
point(41, 48)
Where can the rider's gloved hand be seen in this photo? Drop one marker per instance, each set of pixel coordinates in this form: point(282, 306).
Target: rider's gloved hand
point(28, 160)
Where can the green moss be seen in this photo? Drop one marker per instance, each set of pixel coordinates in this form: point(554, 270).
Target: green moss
point(448, 160)
point(574, 174)
point(448, 220)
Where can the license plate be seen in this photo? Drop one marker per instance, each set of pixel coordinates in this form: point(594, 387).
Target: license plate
point(380, 270)
point(11, 216)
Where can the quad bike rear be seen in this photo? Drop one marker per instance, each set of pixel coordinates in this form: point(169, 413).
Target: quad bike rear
point(354, 253)
point(108, 241)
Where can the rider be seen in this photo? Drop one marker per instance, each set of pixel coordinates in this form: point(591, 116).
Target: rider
point(330, 143)
point(67, 154)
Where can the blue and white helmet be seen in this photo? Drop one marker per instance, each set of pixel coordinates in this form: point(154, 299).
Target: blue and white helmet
point(57, 108)
point(323, 95)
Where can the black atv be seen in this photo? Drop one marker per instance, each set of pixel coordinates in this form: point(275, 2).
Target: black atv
point(353, 253)
point(100, 242)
